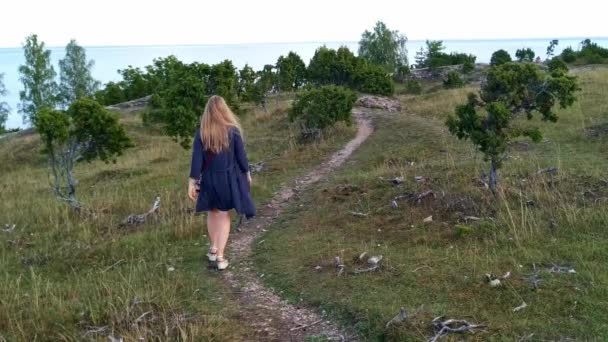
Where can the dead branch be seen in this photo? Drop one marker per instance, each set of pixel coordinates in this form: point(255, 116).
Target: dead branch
point(8, 229)
point(521, 307)
point(452, 326)
point(358, 214)
point(306, 325)
point(141, 219)
point(401, 317)
point(367, 269)
point(395, 181)
point(414, 198)
point(257, 167)
point(550, 170)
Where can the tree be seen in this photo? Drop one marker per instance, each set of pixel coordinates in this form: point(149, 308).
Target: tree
point(38, 78)
point(329, 66)
point(321, 107)
point(384, 47)
point(75, 76)
point(179, 100)
point(246, 89)
point(85, 132)
point(511, 89)
point(525, 55)
point(223, 80)
point(551, 48)
point(265, 83)
point(373, 79)
point(4, 108)
point(500, 57)
point(291, 72)
point(434, 49)
point(453, 80)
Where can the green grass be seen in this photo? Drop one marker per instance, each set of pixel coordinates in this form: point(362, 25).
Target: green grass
point(64, 275)
point(438, 268)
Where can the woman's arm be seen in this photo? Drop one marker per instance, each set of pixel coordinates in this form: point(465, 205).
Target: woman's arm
point(240, 154)
point(196, 166)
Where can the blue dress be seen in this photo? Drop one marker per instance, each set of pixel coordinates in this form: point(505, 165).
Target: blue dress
point(222, 176)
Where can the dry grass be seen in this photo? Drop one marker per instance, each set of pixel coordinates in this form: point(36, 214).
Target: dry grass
point(66, 277)
point(438, 268)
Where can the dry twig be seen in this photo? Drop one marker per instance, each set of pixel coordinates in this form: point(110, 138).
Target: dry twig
point(141, 219)
point(452, 326)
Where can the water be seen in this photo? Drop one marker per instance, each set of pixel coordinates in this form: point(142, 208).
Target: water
point(109, 59)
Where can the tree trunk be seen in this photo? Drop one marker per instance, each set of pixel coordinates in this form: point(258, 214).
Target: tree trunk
point(493, 175)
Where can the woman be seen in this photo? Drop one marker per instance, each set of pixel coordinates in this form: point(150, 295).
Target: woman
point(220, 174)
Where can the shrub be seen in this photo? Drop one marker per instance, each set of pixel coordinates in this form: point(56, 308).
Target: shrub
point(329, 66)
point(468, 66)
point(413, 87)
point(322, 107)
point(111, 94)
point(453, 80)
point(373, 79)
point(568, 55)
point(500, 57)
point(525, 55)
point(590, 53)
point(557, 65)
point(433, 56)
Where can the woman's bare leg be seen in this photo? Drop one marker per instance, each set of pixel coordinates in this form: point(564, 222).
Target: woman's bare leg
point(213, 228)
point(223, 224)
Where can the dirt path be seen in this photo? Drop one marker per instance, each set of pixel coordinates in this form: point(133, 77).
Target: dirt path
point(273, 318)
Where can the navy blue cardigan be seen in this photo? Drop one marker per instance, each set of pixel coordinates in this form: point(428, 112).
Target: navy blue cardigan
point(222, 176)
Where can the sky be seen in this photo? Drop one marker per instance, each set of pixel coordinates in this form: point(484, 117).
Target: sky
point(176, 22)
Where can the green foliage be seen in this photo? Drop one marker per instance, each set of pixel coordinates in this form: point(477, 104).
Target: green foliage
point(223, 80)
point(322, 107)
point(433, 56)
point(525, 55)
point(137, 83)
point(111, 94)
point(384, 47)
point(589, 53)
point(329, 66)
point(551, 48)
point(75, 75)
point(413, 87)
point(556, 65)
point(373, 79)
point(4, 108)
point(500, 57)
point(468, 66)
point(453, 80)
point(291, 72)
point(85, 132)
point(180, 97)
point(246, 89)
point(510, 89)
point(38, 78)
point(266, 81)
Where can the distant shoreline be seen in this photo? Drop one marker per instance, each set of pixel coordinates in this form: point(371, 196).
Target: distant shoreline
point(314, 42)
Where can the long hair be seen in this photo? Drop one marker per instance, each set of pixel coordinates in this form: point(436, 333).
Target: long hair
point(216, 122)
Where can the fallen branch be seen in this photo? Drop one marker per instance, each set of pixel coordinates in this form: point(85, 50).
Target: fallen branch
point(257, 167)
point(306, 325)
point(452, 326)
point(414, 198)
point(141, 219)
point(401, 317)
point(550, 170)
point(521, 307)
point(395, 181)
point(358, 214)
point(368, 269)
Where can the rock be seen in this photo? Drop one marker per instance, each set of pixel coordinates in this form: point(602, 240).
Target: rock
point(370, 101)
point(375, 260)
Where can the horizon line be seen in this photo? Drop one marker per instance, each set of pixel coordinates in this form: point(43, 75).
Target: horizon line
point(317, 42)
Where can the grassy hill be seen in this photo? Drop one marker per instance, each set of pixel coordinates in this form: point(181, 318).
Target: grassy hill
point(538, 221)
point(66, 277)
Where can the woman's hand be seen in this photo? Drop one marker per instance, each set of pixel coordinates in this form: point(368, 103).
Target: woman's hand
point(249, 178)
point(192, 189)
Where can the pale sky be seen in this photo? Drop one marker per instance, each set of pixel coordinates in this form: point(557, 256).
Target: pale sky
point(155, 22)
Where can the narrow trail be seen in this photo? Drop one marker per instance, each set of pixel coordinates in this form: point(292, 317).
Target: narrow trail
point(273, 318)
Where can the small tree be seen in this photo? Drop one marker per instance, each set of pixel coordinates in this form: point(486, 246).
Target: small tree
point(4, 108)
point(291, 72)
point(511, 89)
point(321, 107)
point(384, 47)
point(180, 98)
point(453, 80)
point(265, 83)
point(500, 57)
point(75, 76)
point(246, 89)
point(85, 132)
point(224, 80)
point(373, 79)
point(551, 48)
point(38, 78)
point(525, 55)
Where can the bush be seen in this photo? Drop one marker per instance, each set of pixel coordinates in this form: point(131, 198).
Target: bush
point(322, 107)
point(568, 55)
point(468, 66)
point(500, 57)
point(590, 53)
point(433, 56)
point(413, 87)
point(373, 79)
point(556, 65)
point(111, 94)
point(453, 80)
point(525, 55)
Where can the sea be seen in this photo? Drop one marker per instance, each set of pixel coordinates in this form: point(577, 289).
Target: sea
point(109, 59)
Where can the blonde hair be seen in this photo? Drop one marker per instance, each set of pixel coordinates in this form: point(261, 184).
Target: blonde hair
point(216, 122)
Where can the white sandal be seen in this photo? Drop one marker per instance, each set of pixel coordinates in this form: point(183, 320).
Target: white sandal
point(212, 254)
point(222, 263)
